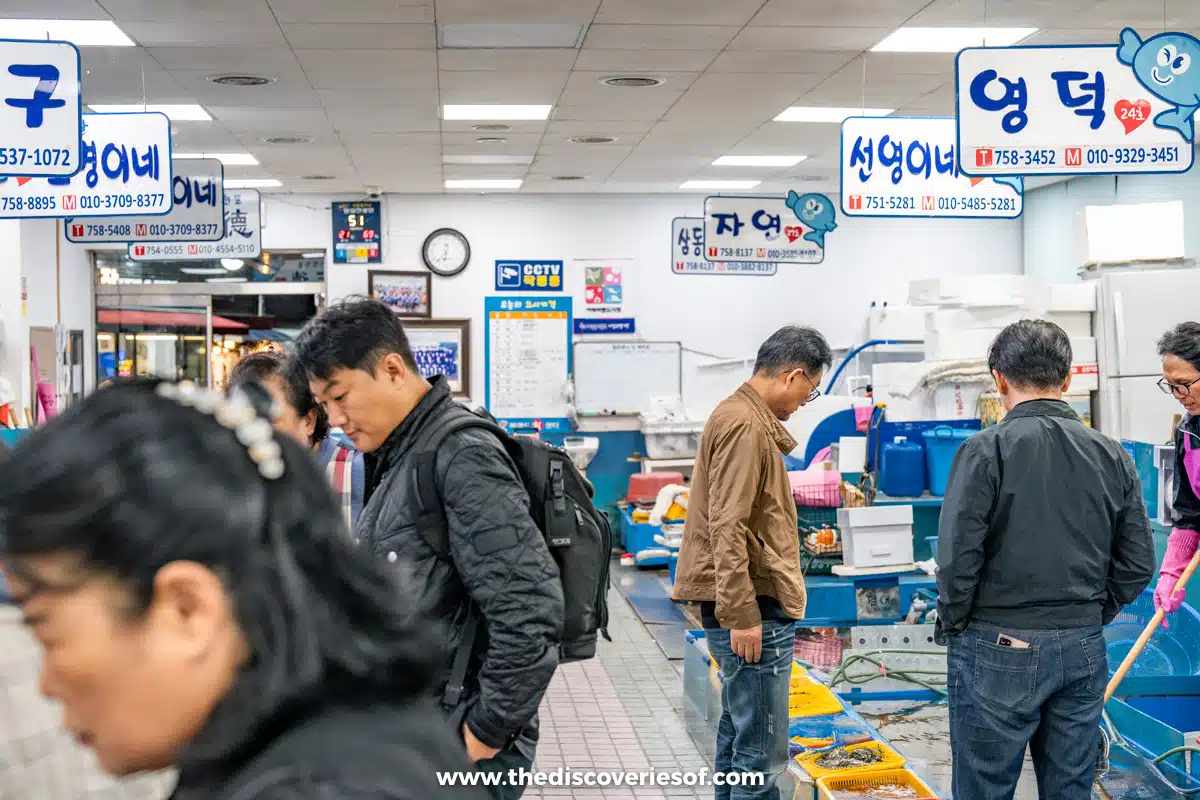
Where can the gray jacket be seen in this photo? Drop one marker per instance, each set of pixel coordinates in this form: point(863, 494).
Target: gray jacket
point(1043, 526)
point(499, 558)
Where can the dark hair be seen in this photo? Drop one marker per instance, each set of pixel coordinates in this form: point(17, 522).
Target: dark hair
point(258, 367)
point(1032, 354)
point(128, 482)
point(1182, 341)
point(355, 333)
point(791, 348)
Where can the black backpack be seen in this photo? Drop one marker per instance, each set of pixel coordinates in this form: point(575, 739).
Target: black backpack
point(560, 501)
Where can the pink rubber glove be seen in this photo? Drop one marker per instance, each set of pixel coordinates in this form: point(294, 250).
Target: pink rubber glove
point(1180, 549)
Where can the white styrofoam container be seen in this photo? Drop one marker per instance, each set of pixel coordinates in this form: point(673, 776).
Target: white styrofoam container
point(958, 400)
point(954, 319)
point(877, 536)
point(1085, 377)
point(668, 440)
point(974, 290)
point(1073, 297)
point(896, 322)
point(959, 345)
point(897, 374)
point(1083, 350)
point(1075, 323)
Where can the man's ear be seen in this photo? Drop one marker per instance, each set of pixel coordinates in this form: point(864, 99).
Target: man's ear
point(393, 367)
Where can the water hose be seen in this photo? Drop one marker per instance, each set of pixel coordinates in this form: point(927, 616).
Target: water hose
point(837, 373)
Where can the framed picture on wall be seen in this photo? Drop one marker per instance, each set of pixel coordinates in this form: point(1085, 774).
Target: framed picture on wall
point(409, 294)
point(443, 347)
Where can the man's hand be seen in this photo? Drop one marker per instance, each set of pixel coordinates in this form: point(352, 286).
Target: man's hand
point(476, 750)
point(747, 644)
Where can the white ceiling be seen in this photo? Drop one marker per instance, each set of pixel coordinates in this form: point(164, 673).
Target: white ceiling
point(365, 80)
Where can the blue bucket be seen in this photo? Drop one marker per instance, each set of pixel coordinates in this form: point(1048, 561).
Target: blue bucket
point(941, 444)
point(1168, 653)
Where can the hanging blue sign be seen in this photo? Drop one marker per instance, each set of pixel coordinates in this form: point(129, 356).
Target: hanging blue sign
point(529, 276)
point(41, 117)
point(1079, 109)
point(779, 230)
point(591, 327)
point(687, 253)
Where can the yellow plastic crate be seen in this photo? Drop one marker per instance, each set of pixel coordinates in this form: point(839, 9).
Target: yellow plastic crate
point(811, 699)
point(891, 760)
point(861, 785)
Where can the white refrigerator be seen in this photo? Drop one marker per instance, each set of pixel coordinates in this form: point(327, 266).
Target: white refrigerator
point(1136, 307)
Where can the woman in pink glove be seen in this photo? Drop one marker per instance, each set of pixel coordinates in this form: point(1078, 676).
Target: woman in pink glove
point(1180, 351)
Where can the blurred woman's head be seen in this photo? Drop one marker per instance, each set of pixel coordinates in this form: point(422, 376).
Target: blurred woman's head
point(189, 577)
point(1180, 351)
point(297, 413)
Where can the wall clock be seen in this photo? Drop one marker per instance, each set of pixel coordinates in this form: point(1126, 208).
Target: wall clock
point(446, 252)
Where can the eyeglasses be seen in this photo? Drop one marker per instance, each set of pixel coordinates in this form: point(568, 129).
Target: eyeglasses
point(815, 393)
point(1177, 389)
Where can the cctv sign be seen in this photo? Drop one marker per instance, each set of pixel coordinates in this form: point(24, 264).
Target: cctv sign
point(529, 276)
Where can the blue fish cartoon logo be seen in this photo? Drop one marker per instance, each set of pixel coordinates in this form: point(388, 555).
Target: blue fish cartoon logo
point(1017, 184)
point(815, 211)
point(1169, 66)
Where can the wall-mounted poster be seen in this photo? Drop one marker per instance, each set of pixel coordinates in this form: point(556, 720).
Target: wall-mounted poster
point(443, 347)
point(357, 232)
point(409, 294)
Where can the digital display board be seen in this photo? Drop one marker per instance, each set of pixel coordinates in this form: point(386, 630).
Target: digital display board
point(357, 232)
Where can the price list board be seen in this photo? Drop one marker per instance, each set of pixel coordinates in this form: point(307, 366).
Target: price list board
point(528, 362)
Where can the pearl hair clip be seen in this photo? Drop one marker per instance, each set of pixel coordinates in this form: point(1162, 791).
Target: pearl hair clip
point(254, 432)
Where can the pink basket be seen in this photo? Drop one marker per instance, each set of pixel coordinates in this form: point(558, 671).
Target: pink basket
point(816, 488)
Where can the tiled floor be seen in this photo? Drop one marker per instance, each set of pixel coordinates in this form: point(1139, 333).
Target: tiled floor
point(621, 712)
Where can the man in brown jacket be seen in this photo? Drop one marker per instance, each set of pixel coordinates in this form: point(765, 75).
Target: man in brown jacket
point(740, 557)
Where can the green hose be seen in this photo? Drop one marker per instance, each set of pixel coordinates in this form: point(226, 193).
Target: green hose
point(907, 675)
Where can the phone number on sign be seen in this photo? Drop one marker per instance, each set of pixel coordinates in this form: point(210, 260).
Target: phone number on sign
point(99, 202)
point(182, 230)
point(37, 157)
point(1132, 155)
point(976, 204)
point(202, 250)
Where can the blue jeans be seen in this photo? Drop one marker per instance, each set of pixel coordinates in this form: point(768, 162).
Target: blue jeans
point(753, 734)
point(1048, 697)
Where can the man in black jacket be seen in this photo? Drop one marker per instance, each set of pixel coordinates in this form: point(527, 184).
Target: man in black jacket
point(1043, 539)
point(362, 371)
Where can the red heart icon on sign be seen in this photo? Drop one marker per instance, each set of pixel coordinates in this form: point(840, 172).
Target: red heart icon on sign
point(1132, 115)
point(793, 232)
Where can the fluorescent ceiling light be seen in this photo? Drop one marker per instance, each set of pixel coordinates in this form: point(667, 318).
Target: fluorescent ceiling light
point(821, 114)
point(314, 254)
point(718, 185)
point(202, 270)
point(80, 32)
point(232, 264)
point(486, 159)
point(484, 184)
point(252, 183)
point(949, 40)
point(758, 161)
point(225, 280)
point(176, 113)
point(228, 159)
point(487, 112)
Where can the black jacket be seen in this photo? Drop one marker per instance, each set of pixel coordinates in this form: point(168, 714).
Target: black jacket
point(380, 752)
point(1186, 506)
point(1043, 526)
point(500, 559)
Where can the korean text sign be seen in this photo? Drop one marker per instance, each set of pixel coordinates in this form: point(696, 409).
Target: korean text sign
point(775, 230)
point(1077, 110)
point(906, 167)
point(41, 113)
point(529, 276)
point(126, 172)
point(687, 253)
point(243, 235)
point(198, 191)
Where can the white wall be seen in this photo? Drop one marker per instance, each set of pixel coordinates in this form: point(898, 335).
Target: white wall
point(15, 355)
point(726, 316)
point(1052, 253)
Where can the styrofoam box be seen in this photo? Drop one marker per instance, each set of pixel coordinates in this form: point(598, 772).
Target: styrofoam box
point(958, 400)
point(1085, 377)
point(973, 290)
point(668, 440)
point(1083, 350)
point(959, 345)
point(1068, 297)
point(1075, 323)
point(897, 374)
point(878, 536)
point(955, 319)
point(897, 323)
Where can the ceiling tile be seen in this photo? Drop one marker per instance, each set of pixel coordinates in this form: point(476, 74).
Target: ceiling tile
point(552, 60)
point(879, 13)
point(502, 87)
point(516, 11)
point(609, 112)
point(1012, 13)
point(289, 90)
point(559, 127)
point(223, 11)
point(658, 37)
point(514, 126)
point(385, 119)
point(776, 62)
point(365, 70)
point(252, 60)
point(347, 11)
point(678, 12)
point(352, 101)
point(652, 61)
point(562, 140)
point(216, 34)
point(366, 141)
point(468, 142)
point(54, 9)
point(360, 36)
point(808, 39)
point(1088, 35)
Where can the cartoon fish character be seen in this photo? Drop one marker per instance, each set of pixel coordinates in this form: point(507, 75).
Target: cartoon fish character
point(1169, 66)
point(1018, 184)
point(815, 211)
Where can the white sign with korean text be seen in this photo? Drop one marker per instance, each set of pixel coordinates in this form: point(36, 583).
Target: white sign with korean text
point(687, 253)
point(1078, 110)
point(243, 235)
point(126, 172)
point(906, 167)
point(40, 118)
point(775, 230)
point(198, 213)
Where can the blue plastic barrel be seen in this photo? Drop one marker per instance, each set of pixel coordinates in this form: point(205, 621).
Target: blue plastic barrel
point(902, 469)
point(941, 444)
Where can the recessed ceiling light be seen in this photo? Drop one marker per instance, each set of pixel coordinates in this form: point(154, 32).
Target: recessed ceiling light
point(318, 178)
point(592, 139)
point(469, 112)
point(252, 183)
point(949, 40)
point(495, 127)
point(176, 113)
point(491, 140)
point(567, 178)
point(484, 184)
point(758, 161)
point(287, 140)
point(822, 114)
point(718, 185)
point(632, 81)
point(494, 36)
point(228, 159)
point(495, 158)
point(241, 80)
point(80, 32)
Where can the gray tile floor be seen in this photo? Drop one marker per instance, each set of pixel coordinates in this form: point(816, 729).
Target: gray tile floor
point(620, 712)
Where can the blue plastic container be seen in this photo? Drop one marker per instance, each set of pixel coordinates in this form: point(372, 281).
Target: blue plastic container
point(1169, 652)
point(941, 444)
point(902, 469)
